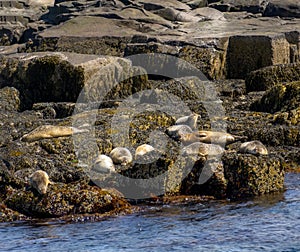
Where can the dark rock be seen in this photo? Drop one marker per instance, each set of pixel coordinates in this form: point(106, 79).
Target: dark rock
point(62, 199)
point(288, 8)
point(282, 97)
point(253, 6)
point(249, 175)
point(55, 109)
point(8, 215)
point(266, 78)
point(9, 99)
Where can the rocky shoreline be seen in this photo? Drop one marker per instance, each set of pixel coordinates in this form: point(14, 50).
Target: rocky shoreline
point(57, 77)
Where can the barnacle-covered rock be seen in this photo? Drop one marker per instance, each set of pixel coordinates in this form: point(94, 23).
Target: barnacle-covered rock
point(267, 77)
point(282, 97)
point(65, 199)
point(249, 175)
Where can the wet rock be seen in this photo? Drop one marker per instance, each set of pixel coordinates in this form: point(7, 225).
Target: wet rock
point(206, 178)
point(282, 97)
point(62, 199)
point(267, 77)
point(9, 215)
point(249, 175)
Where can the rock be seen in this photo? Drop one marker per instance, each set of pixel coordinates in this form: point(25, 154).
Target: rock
point(291, 117)
point(177, 16)
point(194, 4)
point(248, 175)
point(248, 53)
point(253, 6)
point(206, 179)
point(9, 99)
point(17, 17)
point(282, 97)
point(8, 215)
point(289, 8)
point(268, 77)
point(212, 45)
point(61, 200)
point(152, 5)
point(61, 77)
point(51, 110)
point(208, 13)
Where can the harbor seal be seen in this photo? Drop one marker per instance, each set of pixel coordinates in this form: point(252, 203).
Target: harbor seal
point(50, 131)
point(121, 155)
point(253, 147)
point(39, 180)
point(190, 120)
point(143, 150)
point(203, 149)
point(103, 164)
point(175, 131)
point(214, 137)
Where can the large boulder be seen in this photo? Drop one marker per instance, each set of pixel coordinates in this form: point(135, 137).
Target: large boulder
point(61, 200)
point(248, 53)
point(60, 77)
point(250, 175)
point(268, 77)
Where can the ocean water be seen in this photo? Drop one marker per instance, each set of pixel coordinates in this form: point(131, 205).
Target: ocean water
point(269, 223)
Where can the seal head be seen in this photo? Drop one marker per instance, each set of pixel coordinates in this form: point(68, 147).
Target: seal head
point(39, 180)
point(121, 155)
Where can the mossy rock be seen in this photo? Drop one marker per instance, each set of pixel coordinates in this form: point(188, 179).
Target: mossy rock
point(282, 97)
point(65, 199)
point(250, 175)
point(267, 77)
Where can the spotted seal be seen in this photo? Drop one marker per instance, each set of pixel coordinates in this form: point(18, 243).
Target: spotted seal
point(214, 137)
point(50, 131)
point(190, 120)
point(253, 147)
point(39, 180)
point(143, 150)
point(121, 155)
point(175, 131)
point(103, 164)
